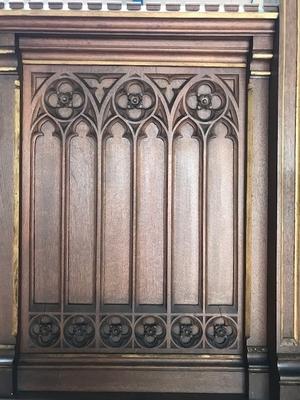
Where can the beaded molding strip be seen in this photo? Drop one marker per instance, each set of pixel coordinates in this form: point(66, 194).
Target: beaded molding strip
point(146, 5)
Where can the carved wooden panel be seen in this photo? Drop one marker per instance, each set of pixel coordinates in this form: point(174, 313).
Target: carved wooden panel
point(133, 209)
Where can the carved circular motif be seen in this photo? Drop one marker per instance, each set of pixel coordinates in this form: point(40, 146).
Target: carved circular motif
point(79, 331)
point(44, 330)
point(186, 331)
point(150, 331)
point(221, 332)
point(135, 100)
point(115, 331)
point(206, 101)
point(64, 99)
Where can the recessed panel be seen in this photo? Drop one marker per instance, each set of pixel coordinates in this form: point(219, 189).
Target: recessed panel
point(151, 216)
point(81, 215)
point(186, 228)
point(221, 249)
point(46, 223)
point(116, 215)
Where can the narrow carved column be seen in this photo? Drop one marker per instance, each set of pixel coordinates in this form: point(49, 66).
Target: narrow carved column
point(9, 194)
point(257, 219)
point(288, 212)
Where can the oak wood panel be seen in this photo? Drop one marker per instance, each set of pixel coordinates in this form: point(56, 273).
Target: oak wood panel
point(187, 192)
point(221, 247)
point(135, 143)
point(6, 205)
point(151, 216)
point(117, 215)
point(46, 216)
point(81, 227)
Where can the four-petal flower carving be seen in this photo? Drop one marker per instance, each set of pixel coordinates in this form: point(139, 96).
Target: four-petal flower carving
point(44, 330)
point(206, 101)
point(150, 331)
point(186, 331)
point(221, 332)
point(115, 331)
point(135, 100)
point(64, 99)
point(79, 331)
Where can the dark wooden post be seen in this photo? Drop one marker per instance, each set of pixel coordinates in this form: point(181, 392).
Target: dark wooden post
point(288, 261)
point(257, 217)
point(9, 210)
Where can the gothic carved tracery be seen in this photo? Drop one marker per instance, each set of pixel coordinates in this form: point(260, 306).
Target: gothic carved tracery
point(142, 118)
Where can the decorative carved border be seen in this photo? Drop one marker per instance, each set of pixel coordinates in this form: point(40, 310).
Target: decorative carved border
point(148, 7)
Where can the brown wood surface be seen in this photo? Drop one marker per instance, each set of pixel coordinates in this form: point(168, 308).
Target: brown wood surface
point(133, 205)
point(170, 239)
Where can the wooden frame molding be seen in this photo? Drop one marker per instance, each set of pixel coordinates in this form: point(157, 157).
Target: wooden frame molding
point(46, 45)
point(9, 211)
point(288, 261)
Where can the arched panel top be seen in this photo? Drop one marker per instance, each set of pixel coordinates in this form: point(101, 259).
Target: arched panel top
point(218, 131)
point(187, 128)
point(117, 128)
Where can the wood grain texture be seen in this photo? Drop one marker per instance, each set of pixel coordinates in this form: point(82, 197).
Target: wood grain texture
point(82, 153)
point(187, 191)
point(46, 217)
point(221, 248)
point(151, 216)
point(117, 216)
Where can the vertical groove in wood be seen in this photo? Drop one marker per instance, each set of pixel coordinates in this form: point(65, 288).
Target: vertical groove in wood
point(16, 210)
point(249, 216)
point(297, 192)
point(287, 176)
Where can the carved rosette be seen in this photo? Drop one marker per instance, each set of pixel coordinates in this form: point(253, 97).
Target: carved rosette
point(135, 100)
point(44, 330)
point(206, 101)
point(64, 99)
point(221, 332)
point(186, 331)
point(150, 331)
point(79, 331)
point(115, 331)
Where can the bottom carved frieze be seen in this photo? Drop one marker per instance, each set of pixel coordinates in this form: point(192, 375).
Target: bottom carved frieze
point(145, 332)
